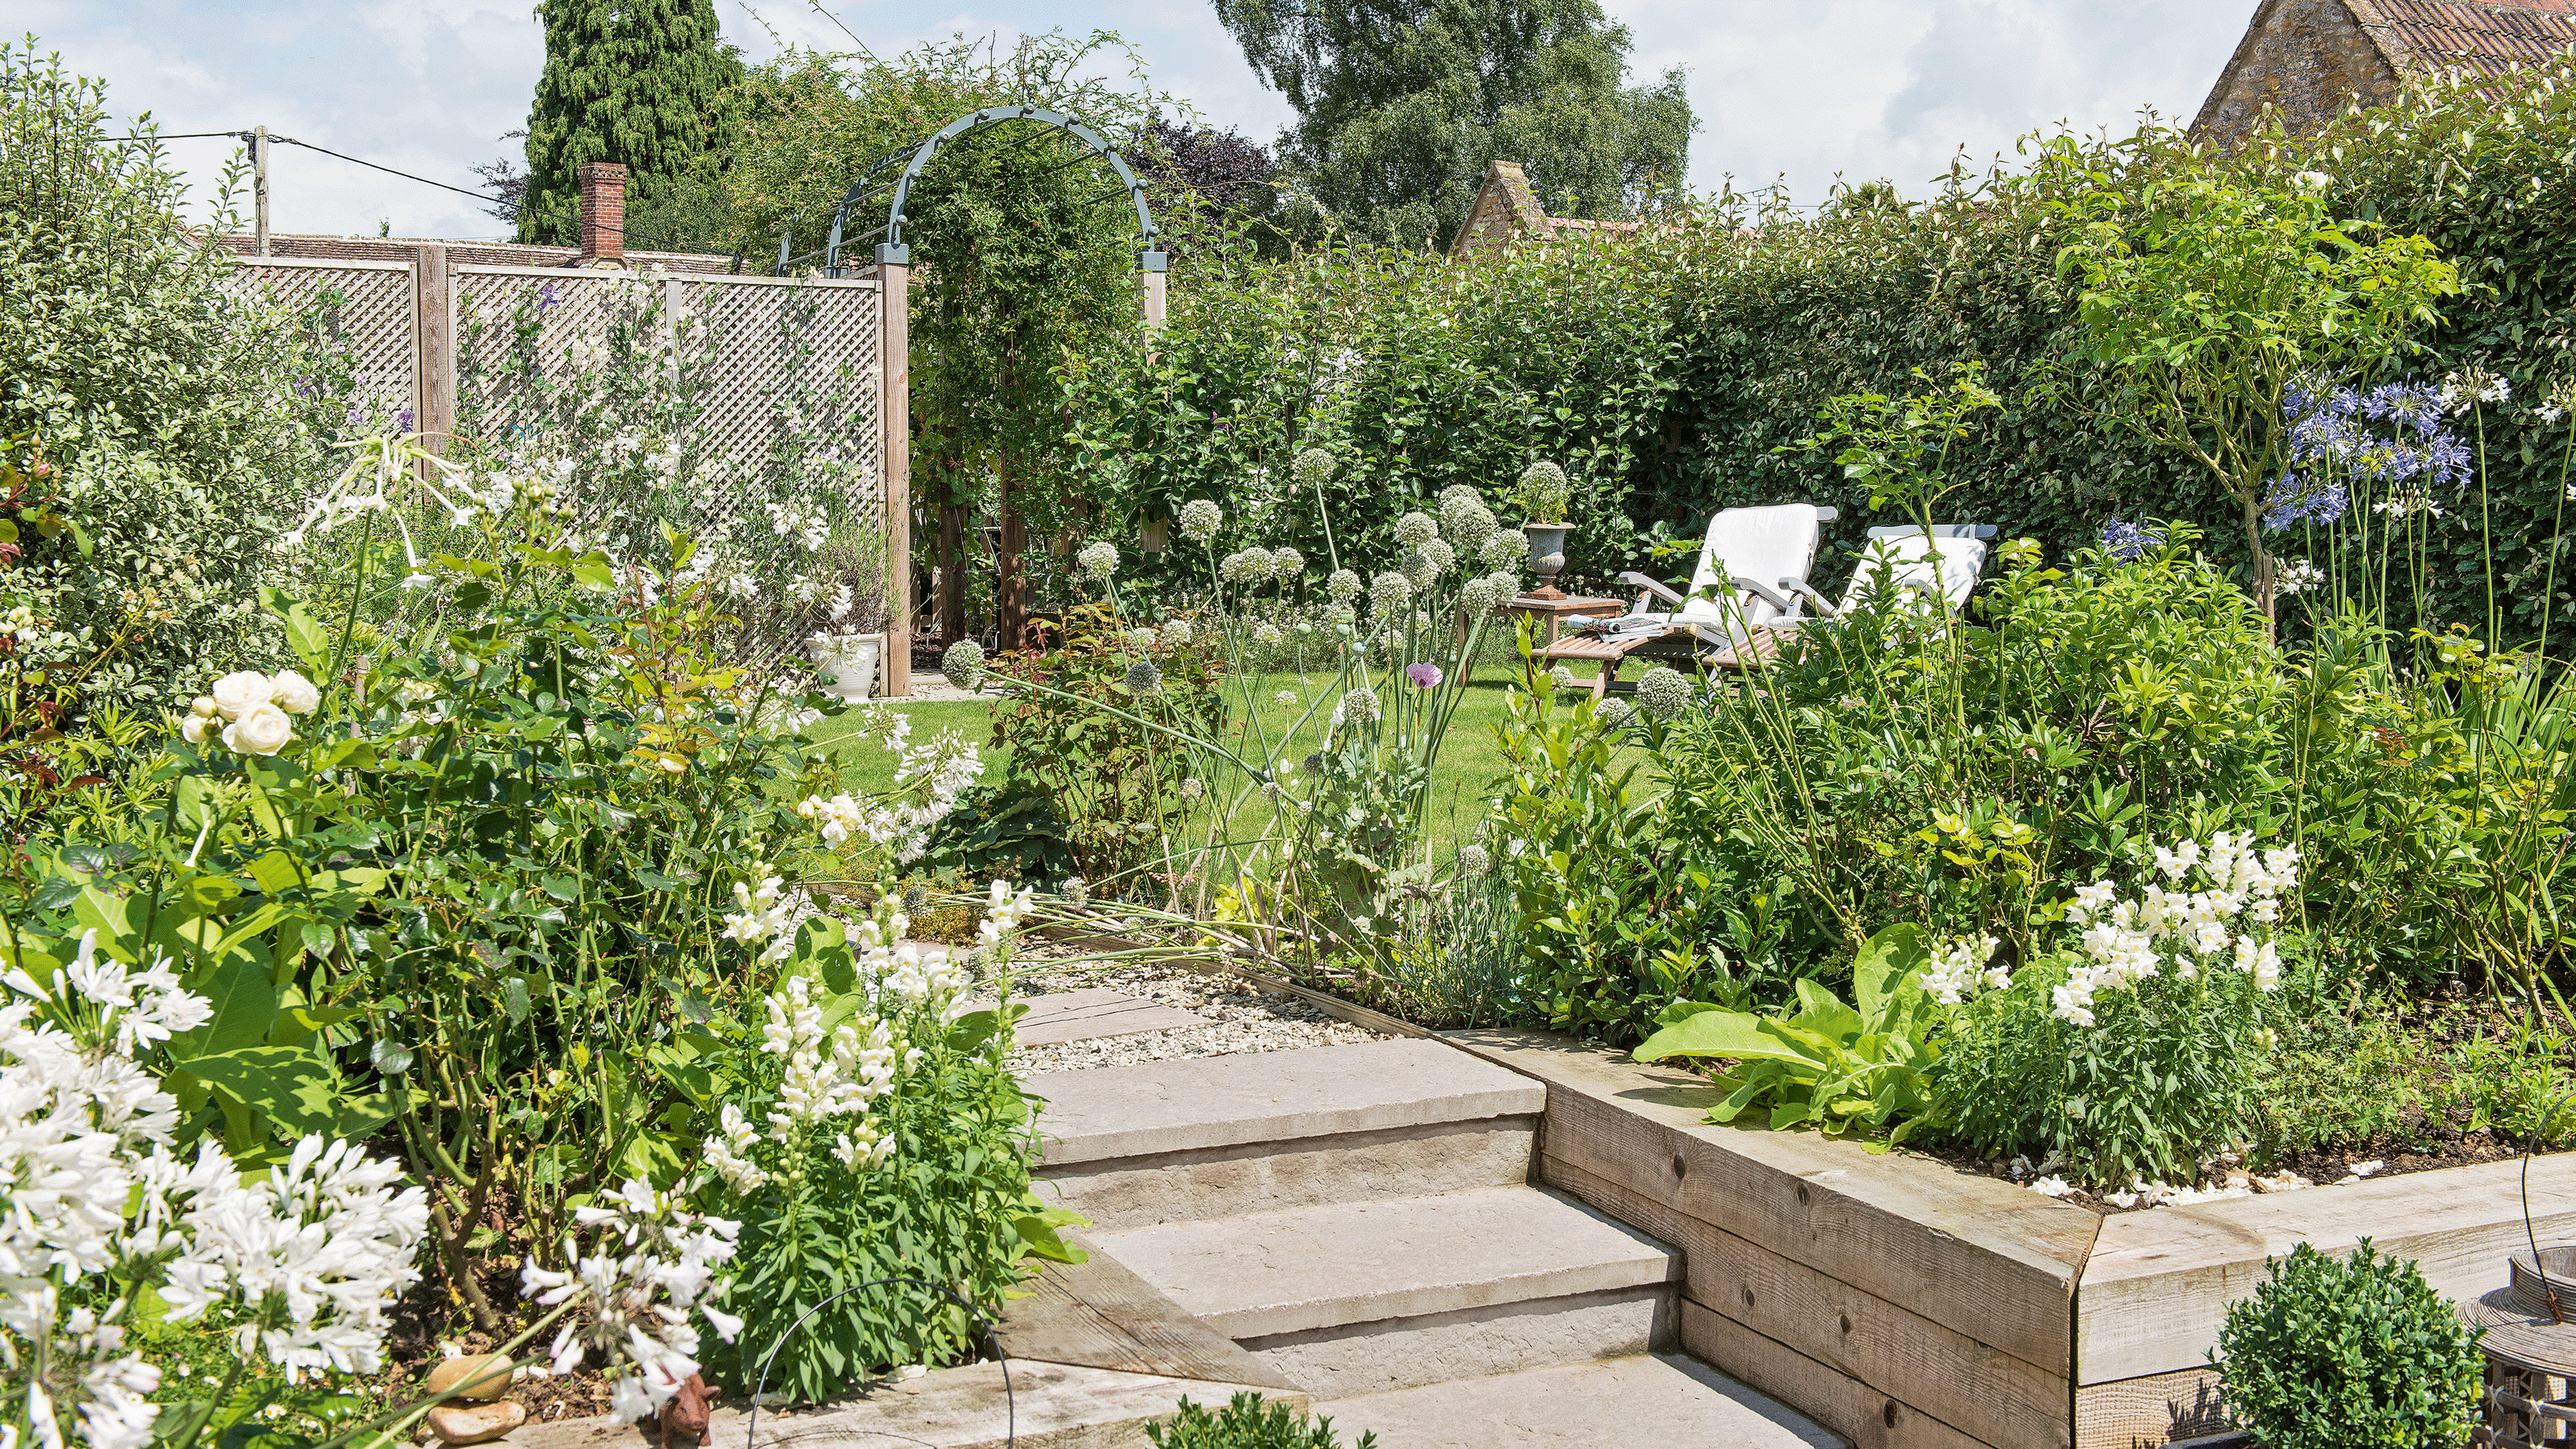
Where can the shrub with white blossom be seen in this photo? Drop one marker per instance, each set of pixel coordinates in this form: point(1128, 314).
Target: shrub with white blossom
point(860, 1126)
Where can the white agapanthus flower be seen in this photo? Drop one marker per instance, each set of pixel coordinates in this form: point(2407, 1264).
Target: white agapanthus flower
point(649, 1268)
point(2297, 576)
point(310, 1257)
point(928, 779)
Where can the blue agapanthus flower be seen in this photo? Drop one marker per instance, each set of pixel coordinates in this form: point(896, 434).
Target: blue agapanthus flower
point(2394, 433)
point(2127, 542)
point(2294, 499)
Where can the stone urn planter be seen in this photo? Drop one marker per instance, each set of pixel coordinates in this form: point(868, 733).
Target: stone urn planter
point(1547, 556)
point(851, 660)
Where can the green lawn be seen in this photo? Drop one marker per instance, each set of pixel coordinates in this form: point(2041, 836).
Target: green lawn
point(1470, 757)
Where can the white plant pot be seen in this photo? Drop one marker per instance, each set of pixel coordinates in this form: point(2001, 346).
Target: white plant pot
point(852, 661)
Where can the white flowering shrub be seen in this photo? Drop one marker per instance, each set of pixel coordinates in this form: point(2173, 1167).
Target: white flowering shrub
point(165, 404)
point(615, 426)
point(861, 1126)
point(298, 1265)
point(2130, 1050)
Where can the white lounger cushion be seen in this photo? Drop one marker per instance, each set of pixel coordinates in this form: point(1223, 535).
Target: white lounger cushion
point(1909, 560)
point(1765, 545)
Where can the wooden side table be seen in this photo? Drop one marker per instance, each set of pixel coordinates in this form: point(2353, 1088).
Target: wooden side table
point(1555, 610)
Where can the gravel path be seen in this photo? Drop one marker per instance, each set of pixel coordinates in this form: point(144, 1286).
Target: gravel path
point(1241, 1018)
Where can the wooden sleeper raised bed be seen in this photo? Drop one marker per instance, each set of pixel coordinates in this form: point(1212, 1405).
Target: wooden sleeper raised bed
point(1903, 1301)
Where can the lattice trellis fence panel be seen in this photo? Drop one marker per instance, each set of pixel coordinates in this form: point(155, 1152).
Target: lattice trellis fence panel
point(364, 308)
point(762, 337)
point(780, 384)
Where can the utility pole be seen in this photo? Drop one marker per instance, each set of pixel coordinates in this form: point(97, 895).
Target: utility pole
point(259, 184)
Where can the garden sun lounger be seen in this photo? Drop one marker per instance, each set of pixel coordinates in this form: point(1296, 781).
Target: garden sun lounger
point(1946, 561)
point(1750, 566)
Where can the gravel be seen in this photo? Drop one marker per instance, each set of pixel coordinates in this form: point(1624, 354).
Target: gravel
point(1242, 1018)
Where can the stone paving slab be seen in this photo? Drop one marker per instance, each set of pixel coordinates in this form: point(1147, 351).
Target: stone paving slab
point(1322, 1267)
point(1183, 1105)
point(1661, 1399)
point(1093, 1012)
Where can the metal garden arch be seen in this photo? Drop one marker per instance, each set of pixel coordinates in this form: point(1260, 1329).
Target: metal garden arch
point(893, 266)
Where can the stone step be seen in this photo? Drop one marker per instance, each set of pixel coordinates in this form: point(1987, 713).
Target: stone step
point(1357, 1298)
point(1213, 1137)
point(1089, 1014)
point(1666, 1400)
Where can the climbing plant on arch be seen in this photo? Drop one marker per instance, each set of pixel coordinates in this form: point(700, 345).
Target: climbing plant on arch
point(1007, 232)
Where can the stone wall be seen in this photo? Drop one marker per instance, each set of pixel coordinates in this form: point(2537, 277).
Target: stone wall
point(2309, 59)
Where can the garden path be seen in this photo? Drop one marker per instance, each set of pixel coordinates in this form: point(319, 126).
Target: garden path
point(1361, 1219)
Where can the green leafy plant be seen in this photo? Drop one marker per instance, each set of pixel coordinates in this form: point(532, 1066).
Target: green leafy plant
point(1616, 916)
point(1246, 1422)
point(1836, 1066)
point(1113, 775)
point(862, 1128)
point(2330, 1353)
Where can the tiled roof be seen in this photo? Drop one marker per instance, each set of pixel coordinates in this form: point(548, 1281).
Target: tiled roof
point(2489, 38)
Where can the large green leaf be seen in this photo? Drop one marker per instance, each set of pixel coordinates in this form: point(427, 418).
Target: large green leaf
point(1710, 1033)
point(293, 1088)
point(1878, 976)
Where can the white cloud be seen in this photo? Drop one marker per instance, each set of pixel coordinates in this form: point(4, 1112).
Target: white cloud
point(1871, 89)
point(1803, 89)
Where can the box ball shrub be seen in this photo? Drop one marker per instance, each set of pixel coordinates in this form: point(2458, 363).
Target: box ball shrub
point(1247, 1422)
point(2334, 1353)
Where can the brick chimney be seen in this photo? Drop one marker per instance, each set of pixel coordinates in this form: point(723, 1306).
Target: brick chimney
point(603, 215)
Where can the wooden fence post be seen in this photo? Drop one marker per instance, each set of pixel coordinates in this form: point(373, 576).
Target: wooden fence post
point(894, 412)
point(433, 331)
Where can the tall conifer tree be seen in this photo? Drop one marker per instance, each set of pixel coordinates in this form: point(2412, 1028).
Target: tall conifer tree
point(644, 82)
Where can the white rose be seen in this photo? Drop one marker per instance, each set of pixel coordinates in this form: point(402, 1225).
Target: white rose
point(294, 693)
point(236, 693)
point(196, 727)
point(263, 729)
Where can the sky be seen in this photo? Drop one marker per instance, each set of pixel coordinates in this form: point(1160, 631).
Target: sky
point(1788, 92)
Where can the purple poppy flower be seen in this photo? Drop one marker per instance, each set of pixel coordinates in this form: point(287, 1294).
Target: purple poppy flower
point(1426, 675)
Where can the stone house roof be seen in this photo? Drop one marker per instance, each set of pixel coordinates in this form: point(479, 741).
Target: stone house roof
point(1505, 211)
point(2311, 58)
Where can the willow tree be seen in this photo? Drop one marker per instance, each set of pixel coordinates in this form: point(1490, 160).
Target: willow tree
point(1022, 249)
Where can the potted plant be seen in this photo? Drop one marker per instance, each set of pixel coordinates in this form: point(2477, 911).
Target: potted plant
point(1544, 494)
point(852, 661)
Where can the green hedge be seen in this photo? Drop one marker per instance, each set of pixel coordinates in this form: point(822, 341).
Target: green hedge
point(1667, 372)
